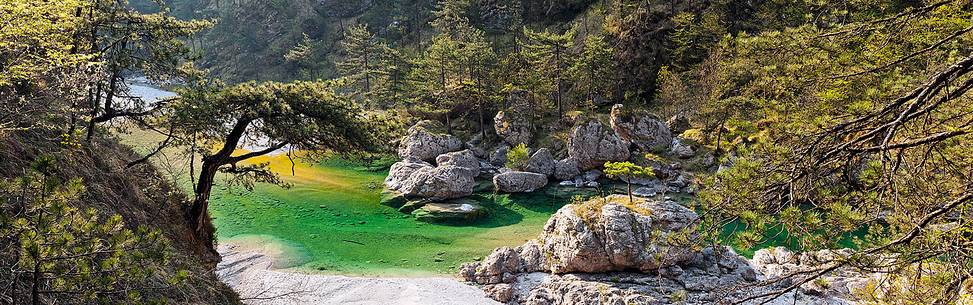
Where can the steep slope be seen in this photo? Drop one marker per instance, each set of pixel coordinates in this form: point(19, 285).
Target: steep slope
point(140, 195)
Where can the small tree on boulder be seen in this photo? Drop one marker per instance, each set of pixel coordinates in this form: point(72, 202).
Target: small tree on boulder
point(627, 171)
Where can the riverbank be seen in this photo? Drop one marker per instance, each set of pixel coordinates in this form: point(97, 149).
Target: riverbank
point(261, 270)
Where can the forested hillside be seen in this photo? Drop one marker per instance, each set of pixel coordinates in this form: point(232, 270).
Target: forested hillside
point(661, 137)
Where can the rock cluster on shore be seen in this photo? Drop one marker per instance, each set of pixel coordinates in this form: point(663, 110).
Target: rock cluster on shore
point(437, 167)
point(611, 251)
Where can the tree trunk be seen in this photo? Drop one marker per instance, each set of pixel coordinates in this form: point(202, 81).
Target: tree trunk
point(95, 106)
point(557, 78)
point(367, 70)
point(207, 177)
point(629, 182)
point(196, 215)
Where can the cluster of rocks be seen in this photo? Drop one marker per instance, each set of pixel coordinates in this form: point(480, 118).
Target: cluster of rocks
point(611, 251)
point(437, 169)
point(433, 192)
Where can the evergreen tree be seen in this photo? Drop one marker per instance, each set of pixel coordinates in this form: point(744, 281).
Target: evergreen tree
point(362, 63)
point(309, 116)
point(302, 56)
point(126, 43)
point(451, 18)
point(52, 252)
point(549, 54)
point(592, 72)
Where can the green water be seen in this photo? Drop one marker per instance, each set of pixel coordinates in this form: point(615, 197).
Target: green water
point(332, 214)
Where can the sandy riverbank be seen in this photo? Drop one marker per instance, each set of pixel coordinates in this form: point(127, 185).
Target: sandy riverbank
point(260, 270)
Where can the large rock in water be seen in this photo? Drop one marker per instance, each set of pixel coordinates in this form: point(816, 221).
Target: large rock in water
point(642, 129)
point(512, 128)
point(592, 143)
point(401, 172)
point(541, 162)
point(519, 182)
point(422, 142)
point(464, 158)
point(412, 178)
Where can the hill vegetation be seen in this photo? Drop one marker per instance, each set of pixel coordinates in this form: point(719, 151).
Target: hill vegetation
point(827, 120)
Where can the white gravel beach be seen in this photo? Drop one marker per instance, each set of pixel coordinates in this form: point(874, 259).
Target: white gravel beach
point(259, 273)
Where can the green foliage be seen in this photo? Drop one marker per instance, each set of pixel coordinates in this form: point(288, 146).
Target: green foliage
point(547, 55)
point(592, 71)
point(56, 253)
point(518, 156)
point(366, 64)
point(38, 38)
point(627, 171)
point(302, 55)
point(842, 132)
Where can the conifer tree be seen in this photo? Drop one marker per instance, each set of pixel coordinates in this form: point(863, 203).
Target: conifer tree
point(302, 56)
point(592, 71)
point(52, 252)
point(362, 63)
point(548, 55)
point(126, 43)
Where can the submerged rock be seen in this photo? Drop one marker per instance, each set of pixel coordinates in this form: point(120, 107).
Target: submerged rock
point(519, 182)
point(422, 142)
point(592, 144)
point(449, 211)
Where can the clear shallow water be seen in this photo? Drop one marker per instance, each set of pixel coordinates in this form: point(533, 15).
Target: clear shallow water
point(332, 213)
point(331, 221)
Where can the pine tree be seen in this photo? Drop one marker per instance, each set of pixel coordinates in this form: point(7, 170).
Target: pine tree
point(362, 62)
point(548, 54)
point(592, 71)
point(52, 252)
point(302, 56)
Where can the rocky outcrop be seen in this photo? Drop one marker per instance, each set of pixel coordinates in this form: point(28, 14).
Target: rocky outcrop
point(678, 124)
point(401, 172)
point(610, 251)
point(779, 262)
point(682, 149)
point(450, 211)
point(611, 236)
point(592, 143)
point(541, 162)
point(566, 168)
point(423, 143)
point(600, 235)
point(412, 178)
point(519, 182)
point(464, 158)
point(642, 129)
point(512, 128)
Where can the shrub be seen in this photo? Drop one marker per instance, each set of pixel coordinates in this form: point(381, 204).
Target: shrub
point(517, 157)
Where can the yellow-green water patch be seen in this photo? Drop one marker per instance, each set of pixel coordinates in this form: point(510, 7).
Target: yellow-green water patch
point(333, 213)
